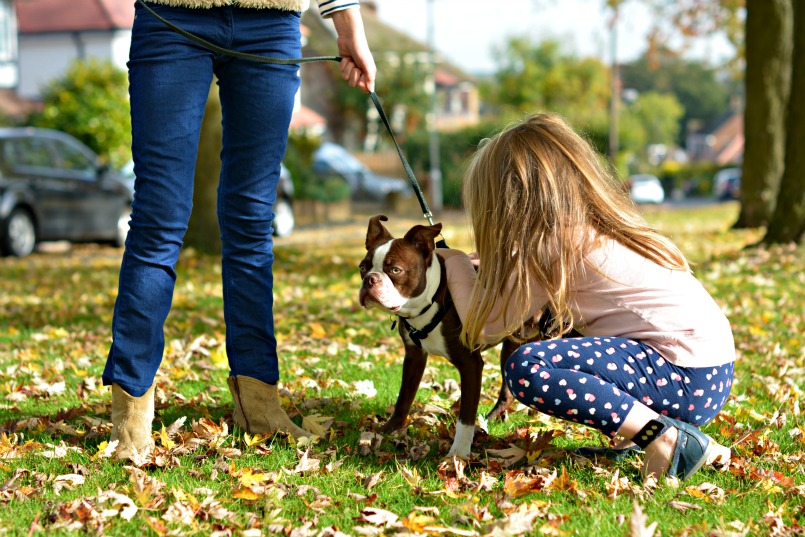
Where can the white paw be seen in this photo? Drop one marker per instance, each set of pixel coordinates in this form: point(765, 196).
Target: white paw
point(462, 443)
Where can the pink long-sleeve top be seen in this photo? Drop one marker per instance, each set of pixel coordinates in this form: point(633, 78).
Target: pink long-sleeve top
point(623, 294)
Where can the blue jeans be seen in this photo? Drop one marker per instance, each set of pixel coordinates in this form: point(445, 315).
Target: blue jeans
point(169, 81)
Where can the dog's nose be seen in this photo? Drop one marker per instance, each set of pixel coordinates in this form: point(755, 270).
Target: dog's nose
point(371, 279)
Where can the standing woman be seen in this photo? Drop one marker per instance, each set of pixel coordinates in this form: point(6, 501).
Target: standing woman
point(169, 79)
point(553, 229)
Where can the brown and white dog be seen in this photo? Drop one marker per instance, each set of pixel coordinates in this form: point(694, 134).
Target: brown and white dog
point(405, 277)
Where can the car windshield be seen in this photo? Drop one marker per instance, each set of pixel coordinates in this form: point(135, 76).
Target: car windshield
point(339, 159)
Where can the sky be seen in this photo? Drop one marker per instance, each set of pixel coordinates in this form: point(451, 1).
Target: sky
point(466, 30)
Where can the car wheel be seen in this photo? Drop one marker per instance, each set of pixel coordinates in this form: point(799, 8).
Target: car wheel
point(283, 218)
point(123, 227)
point(19, 235)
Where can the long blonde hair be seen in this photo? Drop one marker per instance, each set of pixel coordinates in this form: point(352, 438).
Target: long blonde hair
point(532, 193)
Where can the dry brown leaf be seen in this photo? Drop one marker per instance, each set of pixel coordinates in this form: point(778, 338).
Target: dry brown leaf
point(518, 484)
point(516, 524)
point(372, 480)
point(511, 455)
point(637, 524)
point(709, 492)
point(683, 507)
point(317, 424)
point(68, 481)
point(379, 517)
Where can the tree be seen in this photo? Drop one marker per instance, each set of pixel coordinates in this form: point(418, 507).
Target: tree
point(768, 75)
point(788, 220)
point(90, 102)
point(203, 232)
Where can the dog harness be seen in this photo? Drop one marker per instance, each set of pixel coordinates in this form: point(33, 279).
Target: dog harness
point(418, 334)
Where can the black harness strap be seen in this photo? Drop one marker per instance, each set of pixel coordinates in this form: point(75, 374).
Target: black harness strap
point(418, 334)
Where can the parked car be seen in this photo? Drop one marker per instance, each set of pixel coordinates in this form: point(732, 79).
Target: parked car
point(53, 187)
point(727, 184)
point(646, 188)
point(332, 159)
point(284, 221)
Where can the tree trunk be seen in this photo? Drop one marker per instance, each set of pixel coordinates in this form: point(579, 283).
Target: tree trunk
point(203, 232)
point(788, 221)
point(768, 60)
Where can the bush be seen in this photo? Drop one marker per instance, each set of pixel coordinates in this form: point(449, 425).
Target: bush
point(90, 102)
point(307, 185)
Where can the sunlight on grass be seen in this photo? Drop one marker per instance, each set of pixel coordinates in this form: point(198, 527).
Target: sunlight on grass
point(207, 479)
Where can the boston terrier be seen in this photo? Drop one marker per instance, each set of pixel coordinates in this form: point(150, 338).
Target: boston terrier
point(407, 278)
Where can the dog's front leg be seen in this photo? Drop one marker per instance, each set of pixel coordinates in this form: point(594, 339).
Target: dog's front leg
point(505, 397)
point(470, 370)
point(413, 369)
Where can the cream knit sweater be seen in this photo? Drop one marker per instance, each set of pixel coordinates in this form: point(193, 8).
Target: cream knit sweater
point(286, 5)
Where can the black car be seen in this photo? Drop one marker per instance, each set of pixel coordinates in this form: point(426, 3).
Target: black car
point(332, 159)
point(53, 187)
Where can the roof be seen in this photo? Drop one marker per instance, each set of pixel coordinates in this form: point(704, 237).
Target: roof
point(305, 117)
point(55, 16)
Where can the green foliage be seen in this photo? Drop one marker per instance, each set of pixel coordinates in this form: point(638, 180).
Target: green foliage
point(454, 150)
point(696, 86)
point(307, 185)
point(90, 102)
point(534, 77)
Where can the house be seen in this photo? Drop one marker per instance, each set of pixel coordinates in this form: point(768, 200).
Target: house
point(53, 34)
point(721, 144)
point(44, 37)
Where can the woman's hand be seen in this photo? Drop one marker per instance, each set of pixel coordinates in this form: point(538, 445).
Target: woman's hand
point(357, 64)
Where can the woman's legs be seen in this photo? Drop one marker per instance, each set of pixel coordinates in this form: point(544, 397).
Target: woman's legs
point(256, 101)
point(169, 83)
point(616, 385)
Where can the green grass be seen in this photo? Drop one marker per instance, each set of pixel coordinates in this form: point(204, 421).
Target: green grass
point(54, 335)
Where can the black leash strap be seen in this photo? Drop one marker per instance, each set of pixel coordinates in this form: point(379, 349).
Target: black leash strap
point(292, 61)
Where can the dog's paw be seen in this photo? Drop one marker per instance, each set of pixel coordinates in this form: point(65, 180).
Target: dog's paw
point(393, 424)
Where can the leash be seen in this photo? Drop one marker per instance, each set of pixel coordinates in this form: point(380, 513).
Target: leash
point(427, 214)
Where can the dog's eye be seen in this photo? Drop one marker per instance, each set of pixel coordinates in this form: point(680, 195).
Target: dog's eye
point(395, 270)
point(362, 268)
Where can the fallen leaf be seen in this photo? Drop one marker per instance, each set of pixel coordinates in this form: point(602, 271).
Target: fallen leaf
point(637, 524)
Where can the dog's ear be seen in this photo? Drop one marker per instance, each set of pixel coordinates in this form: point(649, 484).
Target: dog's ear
point(377, 233)
point(423, 237)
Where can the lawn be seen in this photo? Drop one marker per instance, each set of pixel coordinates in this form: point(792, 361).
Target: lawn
point(341, 369)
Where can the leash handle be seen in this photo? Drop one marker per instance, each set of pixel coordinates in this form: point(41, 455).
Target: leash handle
point(293, 61)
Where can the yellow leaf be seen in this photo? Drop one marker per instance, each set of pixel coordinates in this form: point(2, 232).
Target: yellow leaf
point(255, 440)
point(417, 523)
point(165, 439)
point(245, 493)
point(219, 358)
point(317, 331)
point(411, 476)
point(248, 478)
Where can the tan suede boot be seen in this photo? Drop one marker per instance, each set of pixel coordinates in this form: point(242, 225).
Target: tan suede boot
point(257, 408)
point(131, 422)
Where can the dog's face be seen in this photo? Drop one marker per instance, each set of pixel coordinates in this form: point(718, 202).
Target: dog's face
point(394, 270)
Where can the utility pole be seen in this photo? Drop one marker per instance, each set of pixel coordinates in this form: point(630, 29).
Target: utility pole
point(433, 138)
point(615, 82)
